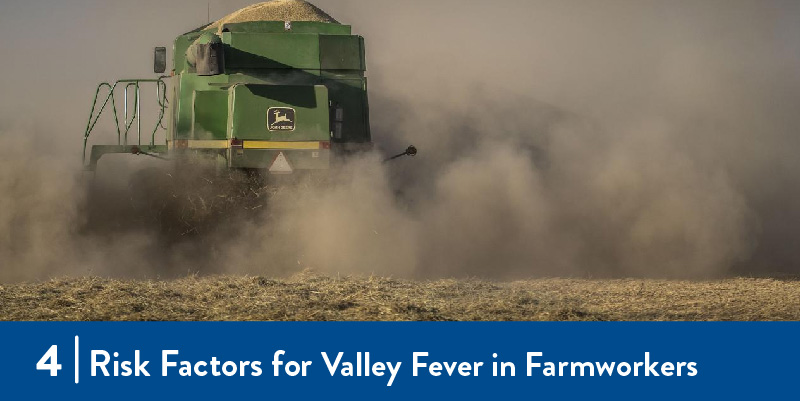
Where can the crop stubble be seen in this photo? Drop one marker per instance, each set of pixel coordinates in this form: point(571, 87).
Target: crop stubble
point(310, 296)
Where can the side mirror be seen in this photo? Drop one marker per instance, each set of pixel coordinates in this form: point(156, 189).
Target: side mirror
point(160, 60)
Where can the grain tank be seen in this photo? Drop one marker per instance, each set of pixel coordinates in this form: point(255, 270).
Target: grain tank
point(278, 86)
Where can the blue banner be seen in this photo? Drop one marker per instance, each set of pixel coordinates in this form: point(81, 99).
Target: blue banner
point(425, 360)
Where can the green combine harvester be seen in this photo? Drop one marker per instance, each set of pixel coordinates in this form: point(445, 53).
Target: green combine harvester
point(277, 87)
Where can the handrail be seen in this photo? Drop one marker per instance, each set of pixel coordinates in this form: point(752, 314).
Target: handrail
point(122, 136)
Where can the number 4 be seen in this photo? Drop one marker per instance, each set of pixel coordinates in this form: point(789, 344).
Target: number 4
point(52, 356)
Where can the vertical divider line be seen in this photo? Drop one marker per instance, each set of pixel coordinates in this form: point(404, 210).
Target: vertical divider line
point(77, 371)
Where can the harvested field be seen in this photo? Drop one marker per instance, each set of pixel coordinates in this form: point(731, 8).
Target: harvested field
point(308, 296)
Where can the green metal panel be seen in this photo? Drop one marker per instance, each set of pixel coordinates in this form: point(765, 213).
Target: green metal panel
point(173, 111)
point(363, 53)
point(338, 52)
point(210, 119)
point(184, 106)
point(349, 95)
point(179, 51)
point(275, 77)
point(364, 95)
point(271, 51)
point(249, 104)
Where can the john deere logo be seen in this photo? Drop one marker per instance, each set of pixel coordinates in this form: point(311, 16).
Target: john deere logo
point(280, 119)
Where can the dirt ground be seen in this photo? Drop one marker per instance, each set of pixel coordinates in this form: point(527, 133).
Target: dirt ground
point(308, 296)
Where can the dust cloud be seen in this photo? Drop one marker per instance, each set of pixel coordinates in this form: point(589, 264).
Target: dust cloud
point(617, 139)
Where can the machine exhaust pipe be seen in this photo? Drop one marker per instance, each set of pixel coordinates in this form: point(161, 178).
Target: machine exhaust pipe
point(411, 151)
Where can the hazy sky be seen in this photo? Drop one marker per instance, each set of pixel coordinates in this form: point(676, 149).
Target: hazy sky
point(59, 49)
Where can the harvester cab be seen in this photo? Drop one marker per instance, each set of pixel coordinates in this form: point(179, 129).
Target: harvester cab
point(278, 86)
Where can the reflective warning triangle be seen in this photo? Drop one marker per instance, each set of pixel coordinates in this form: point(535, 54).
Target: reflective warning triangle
point(280, 165)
